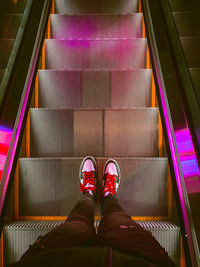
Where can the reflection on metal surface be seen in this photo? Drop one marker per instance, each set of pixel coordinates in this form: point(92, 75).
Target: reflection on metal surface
point(5, 137)
point(188, 160)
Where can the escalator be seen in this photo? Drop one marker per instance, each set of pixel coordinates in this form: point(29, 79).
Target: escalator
point(94, 95)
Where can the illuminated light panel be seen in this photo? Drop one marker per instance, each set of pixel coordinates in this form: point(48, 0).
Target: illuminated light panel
point(186, 152)
point(184, 142)
point(188, 161)
point(193, 184)
point(5, 138)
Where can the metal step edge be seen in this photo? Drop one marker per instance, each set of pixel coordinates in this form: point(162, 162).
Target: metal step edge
point(94, 70)
point(28, 224)
point(98, 158)
point(96, 39)
point(98, 14)
point(95, 109)
point(94, 14)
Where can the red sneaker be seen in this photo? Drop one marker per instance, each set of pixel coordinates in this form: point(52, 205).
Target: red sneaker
point(87, 175)
point(111, 177)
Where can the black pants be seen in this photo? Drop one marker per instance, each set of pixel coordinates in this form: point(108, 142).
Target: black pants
point(116, 230)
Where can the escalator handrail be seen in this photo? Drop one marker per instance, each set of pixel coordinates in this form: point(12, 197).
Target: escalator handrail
point(15, 49)
point(181, 189)
point(12, 156)
point(190, 99)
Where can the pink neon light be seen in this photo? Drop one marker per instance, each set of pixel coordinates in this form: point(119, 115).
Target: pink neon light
point(186, 152)
point(5, 138)
point(2, 161)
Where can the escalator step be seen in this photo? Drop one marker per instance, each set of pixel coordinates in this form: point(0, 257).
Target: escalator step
point(80, 132)
point(102, 88)
point(90, 6)
point(50, 186)
point(25, 233)
point(95, 53)
point(96, 26)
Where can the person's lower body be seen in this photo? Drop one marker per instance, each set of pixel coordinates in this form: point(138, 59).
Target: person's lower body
point(77, 229)
point(122, 233)
point(116, 229)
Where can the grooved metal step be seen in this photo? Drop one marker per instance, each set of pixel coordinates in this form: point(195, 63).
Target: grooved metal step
point(95, 53)
point(96, 26)
point(9, 25)
point(191, 48)
point(50, 186)
point(187, 23)
point(99, 88)
point(5, 50)
point(80, 132)
point(90, 6)
point(24, 233)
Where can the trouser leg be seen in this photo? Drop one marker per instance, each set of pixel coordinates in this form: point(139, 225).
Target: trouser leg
point(121, 232)
point(78, 228)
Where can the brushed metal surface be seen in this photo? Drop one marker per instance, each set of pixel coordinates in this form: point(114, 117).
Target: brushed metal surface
point(131, 88)
point(60, 89)
point(187, 23)
point(143, 189)
point(5, 50)
point(50, 186)
point(88, 132)
point(90, 6)
point(96, 26)
point(166, 233)
point(51, 132)
point(9, 25)
point(191, 48)
point(95, 54)
point(131, 132)
point(95, 88)
point(63, 132)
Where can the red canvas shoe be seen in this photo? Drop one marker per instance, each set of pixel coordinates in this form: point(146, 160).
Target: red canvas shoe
point(87, 175)
point(111, 178)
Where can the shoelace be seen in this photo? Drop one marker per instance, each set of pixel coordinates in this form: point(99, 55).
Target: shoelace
point(88, 182)
point(109, 185)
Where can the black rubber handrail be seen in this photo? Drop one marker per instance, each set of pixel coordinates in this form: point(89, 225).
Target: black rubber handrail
point(19, 125)
point(188, 233)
